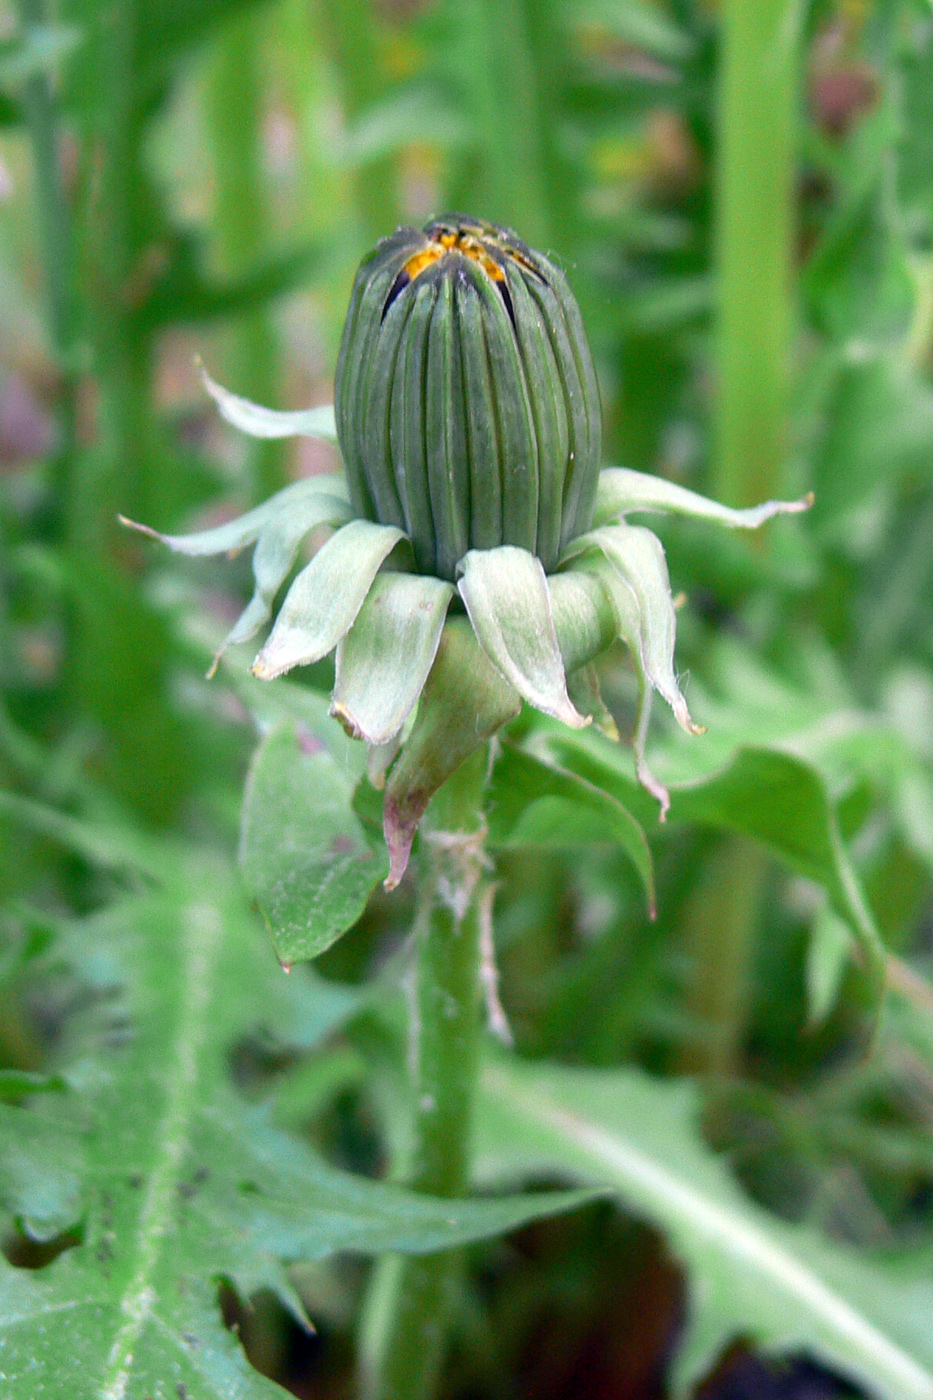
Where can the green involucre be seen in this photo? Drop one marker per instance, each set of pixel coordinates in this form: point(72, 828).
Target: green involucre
point(466, 399)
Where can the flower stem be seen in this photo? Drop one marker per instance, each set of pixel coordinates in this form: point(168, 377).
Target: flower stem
point(758, 97)
point(235, 98)
point(722, 919)
point(57, 245)
point(403, 1348)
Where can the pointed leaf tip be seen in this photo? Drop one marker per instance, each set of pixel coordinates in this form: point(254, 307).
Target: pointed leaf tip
point(622, 491)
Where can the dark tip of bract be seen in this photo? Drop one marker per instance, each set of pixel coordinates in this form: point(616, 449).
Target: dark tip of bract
point(506, 296)
point(398, 286)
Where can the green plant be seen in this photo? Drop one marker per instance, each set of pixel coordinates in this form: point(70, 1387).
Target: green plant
point(192, 1143)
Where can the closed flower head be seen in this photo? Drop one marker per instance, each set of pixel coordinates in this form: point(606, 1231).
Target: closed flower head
point(466, 398)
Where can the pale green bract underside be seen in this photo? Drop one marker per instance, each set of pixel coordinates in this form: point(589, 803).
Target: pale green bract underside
point(386, 627)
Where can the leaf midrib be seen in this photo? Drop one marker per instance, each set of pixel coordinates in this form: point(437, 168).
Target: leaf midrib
point(739, 1236)
point(202, 929)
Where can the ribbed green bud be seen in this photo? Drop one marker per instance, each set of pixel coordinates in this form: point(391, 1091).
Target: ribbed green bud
point(466, 399)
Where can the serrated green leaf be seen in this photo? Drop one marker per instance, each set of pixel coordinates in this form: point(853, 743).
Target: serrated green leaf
point(323, 602)
point(181, 1183)
point(506, 596)
point(531, 803)
point(261, 422)
point(304, 855)
point(384, 659)
point(750, 1275)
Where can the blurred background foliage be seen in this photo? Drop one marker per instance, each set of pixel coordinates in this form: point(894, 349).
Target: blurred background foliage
point(183, 178)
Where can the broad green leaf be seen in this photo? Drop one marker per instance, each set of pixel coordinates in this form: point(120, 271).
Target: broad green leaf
point(384, 659)
point(774, 797)
point(261, 422)
point(180, 1182)
point(621, 491)
point(303, 853)
point(506, 596)
point(532, 803)
point(465, 701)
point(750, 1275)
point(322, 603)
point(236, 534)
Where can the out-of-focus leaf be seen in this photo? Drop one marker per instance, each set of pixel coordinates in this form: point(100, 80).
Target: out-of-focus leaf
point(304, 855)
point(771, 796)
point(639, 23)
point(38, 49)
point(749, 1274)
point(878, 425)
point(184, 293)
point(166, 29)
point(531, 803)
point(858, 281)
point(829, 952)
point(412, 114)
point(112, 846)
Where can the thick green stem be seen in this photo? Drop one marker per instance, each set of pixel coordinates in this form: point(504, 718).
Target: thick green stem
point(403, 1349)
point(720, 925)
point(758, 95)
point(240, 220)
point(56, 241)
point(351, 38)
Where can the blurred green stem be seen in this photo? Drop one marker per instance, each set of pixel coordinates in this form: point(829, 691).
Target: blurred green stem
point(117, 474)
point(57, 244)
point(235, 98)
point(720, 925)
point(411, 1301)
point(351, 39)
point(504, 47)
point(758, 95)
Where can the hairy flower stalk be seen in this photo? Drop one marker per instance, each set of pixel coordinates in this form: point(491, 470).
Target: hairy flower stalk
point(467, 415)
